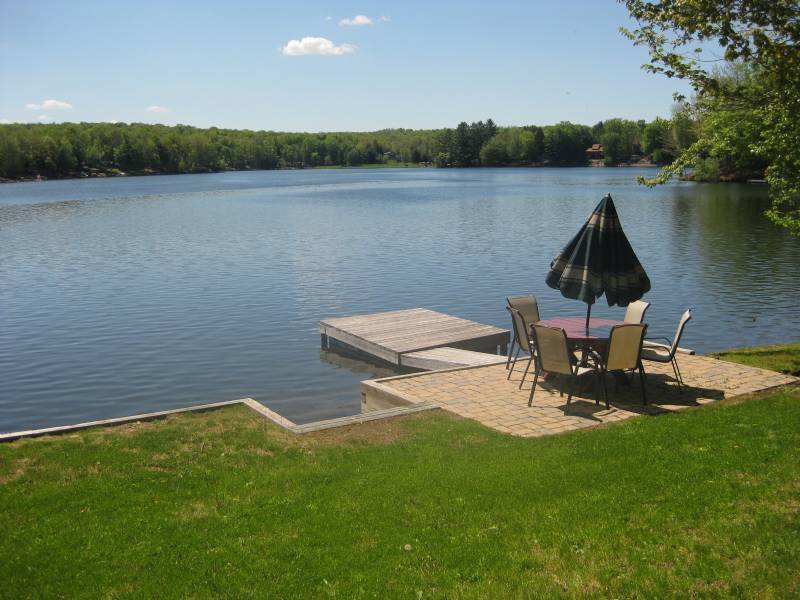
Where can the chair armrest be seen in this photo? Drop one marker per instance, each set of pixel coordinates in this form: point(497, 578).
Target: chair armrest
point(648, 345)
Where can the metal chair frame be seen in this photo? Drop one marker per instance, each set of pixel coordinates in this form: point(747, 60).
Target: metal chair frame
point(523, 341)
point(672, 347)
point(574, 369)
point(639, 366)
point(529, 301)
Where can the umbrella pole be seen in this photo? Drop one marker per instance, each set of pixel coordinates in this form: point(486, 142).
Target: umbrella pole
point(588, 315)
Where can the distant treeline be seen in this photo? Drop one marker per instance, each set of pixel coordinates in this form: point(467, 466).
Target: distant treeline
point(88, 149)
point(623, 141)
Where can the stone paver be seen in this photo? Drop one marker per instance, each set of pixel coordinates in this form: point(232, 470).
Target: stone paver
point(484, 394)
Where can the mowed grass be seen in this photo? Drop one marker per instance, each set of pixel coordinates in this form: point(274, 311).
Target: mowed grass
point(223, 504)
point(784, 357)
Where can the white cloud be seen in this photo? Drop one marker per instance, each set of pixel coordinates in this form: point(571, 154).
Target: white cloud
point(357, 20)
point(42, 118)
point(49, 105)
point(155, 108)
point(316, 45)
point(6, 122)
point(384, 19)
point(329, 18)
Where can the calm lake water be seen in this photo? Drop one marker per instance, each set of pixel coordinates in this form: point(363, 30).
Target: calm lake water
point(120, 296)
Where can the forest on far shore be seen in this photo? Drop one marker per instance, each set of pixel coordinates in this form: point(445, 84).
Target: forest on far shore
point(97, 149)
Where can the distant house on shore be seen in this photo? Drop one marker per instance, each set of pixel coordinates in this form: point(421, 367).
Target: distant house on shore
point(595, 152)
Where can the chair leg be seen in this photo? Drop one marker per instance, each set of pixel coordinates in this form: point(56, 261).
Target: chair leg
point(514, 364)
point(572, 379)
point(603, 381)
point(510, 352)
point(677, 374)
point(525, 373)
point(597, 386)
point(643, 382)
point(533, 388)
point(678, 369)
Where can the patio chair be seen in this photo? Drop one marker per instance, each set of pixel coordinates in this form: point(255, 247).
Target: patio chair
point(635, 311)
point(553, 356)
point(665, 353)
point(623, 354)
point(528, 307)
point(523, 342)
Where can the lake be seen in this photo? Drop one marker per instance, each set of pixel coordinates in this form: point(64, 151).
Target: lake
point(128, 295)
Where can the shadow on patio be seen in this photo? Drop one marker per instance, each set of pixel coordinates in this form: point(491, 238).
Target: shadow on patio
point(484, 394)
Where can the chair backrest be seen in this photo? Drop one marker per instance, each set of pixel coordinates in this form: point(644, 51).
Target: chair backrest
point(551, 344)
point(685, 318)
point(527, 306)
point(521, 331)
point(625, 346)
point(635, 311)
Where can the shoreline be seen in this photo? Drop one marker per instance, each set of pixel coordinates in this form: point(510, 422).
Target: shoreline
point(103, 175)
point(782, 358)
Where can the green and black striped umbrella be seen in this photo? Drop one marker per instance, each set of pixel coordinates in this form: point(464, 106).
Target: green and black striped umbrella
point(599, 260)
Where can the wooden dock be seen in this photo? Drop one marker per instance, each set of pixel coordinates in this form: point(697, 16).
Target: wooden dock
point(446, 357)
point(397, 337)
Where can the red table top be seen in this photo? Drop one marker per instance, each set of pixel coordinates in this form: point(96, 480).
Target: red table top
point(575, 327)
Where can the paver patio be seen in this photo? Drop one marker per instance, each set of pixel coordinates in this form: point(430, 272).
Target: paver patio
point(484, 394)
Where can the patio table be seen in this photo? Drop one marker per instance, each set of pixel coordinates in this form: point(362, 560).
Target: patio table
point(590, 341)
point(575, 327)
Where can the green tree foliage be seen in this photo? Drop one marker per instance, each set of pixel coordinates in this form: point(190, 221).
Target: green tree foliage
point(655, 135)
point(534, 149)
point(464, 152)
point(566, 143)
point(664, 139)
point(72, 149)
point(747, 119)
point(683, 130)
point(727, 127)
point(61, 150)
point(621, 140)
point(510, 146)
point(487, 145)
point(615, 148)
point(495, 152)
point(462, 146)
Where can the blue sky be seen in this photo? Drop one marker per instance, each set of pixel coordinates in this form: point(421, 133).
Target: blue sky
point(234, 64)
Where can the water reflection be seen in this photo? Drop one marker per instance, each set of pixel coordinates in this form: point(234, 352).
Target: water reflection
point(358, 366)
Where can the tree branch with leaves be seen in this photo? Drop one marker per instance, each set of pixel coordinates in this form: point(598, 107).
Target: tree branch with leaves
point(759, 115)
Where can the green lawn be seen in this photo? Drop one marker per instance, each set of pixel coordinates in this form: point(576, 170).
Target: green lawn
point(705, 502)
point(784, 358)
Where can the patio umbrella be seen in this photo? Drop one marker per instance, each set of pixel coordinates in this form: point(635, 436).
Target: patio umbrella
point(599, 260)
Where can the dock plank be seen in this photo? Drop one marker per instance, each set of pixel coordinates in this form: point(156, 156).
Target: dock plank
point(392, 326)
point(445, 357)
